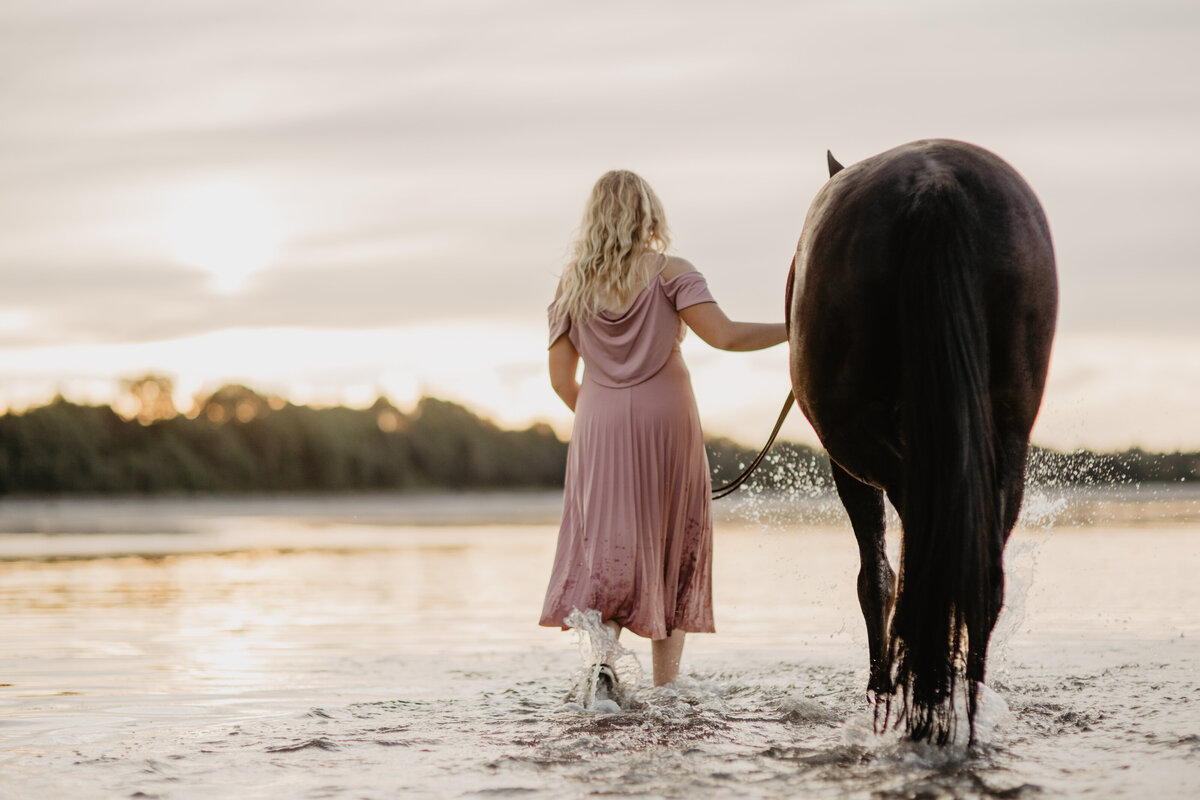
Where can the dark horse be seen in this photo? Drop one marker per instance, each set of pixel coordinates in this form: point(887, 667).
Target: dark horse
point(921, 309)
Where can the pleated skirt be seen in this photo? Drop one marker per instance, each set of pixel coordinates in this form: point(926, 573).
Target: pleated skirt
point(636, 534)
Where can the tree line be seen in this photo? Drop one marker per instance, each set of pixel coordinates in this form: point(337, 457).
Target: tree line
point(237, 440)
point(241, 441)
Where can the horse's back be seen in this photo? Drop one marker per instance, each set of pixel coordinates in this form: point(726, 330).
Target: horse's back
point(848, 326)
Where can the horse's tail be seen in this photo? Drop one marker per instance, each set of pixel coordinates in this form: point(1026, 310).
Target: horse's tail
point(950, 572)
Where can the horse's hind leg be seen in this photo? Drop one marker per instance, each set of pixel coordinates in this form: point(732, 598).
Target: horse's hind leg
point(1011, 488)
point(1010, 491)
point(876, 580)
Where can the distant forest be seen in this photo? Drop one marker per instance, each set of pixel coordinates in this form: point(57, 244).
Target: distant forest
point(237, 440)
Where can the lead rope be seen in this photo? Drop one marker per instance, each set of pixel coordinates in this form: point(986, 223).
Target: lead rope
point(740, 479)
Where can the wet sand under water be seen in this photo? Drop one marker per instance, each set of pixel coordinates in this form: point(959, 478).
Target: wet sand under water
point(192, 650)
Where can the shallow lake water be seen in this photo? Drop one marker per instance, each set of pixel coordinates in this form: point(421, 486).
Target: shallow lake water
point(387, 647)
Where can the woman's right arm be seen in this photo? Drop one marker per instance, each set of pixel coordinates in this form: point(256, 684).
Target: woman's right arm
point(710, 324)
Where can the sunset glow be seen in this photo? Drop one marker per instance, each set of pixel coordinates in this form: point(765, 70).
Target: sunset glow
point(226, 228)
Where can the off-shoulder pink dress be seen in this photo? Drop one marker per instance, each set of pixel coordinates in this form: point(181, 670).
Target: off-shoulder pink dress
point(636, 535)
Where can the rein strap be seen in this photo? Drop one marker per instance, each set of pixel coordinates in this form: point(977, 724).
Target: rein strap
point(729, 488)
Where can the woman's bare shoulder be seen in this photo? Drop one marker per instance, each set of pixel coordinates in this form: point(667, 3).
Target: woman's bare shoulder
point(675, 267)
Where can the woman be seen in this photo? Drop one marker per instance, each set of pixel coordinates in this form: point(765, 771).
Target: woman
point(636, 535)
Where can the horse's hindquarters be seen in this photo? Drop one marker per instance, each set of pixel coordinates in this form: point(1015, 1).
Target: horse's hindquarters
point(921, 318)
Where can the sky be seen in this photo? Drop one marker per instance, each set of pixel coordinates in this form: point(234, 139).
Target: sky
point(337, 200)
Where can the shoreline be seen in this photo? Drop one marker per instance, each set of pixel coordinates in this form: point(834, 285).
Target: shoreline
point(803, 505)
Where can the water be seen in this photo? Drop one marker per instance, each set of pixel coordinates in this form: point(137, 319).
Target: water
point(386, 647)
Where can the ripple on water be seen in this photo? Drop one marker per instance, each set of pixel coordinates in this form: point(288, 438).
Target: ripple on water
point(771, 730)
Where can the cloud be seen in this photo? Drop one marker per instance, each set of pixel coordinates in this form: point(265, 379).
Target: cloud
point(429, 161)
point(1114, 390)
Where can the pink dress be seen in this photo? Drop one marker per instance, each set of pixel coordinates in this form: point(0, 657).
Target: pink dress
point(636, 535)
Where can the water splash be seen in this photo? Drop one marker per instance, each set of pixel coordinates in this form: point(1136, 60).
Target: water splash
point(992, 716)
point(598, 645)
point(789, 490)
point(1040, 513)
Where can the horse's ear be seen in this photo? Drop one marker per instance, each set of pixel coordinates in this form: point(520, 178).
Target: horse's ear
point(834, 166)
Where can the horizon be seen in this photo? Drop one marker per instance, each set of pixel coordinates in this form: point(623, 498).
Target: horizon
point(333, 207)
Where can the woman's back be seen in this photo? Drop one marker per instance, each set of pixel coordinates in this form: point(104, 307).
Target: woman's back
point(625, 348)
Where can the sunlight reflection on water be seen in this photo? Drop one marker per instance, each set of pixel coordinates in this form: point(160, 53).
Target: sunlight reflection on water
point(278, 653)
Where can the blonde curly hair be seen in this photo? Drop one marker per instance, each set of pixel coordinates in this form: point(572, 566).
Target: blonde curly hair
point(623, 219)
